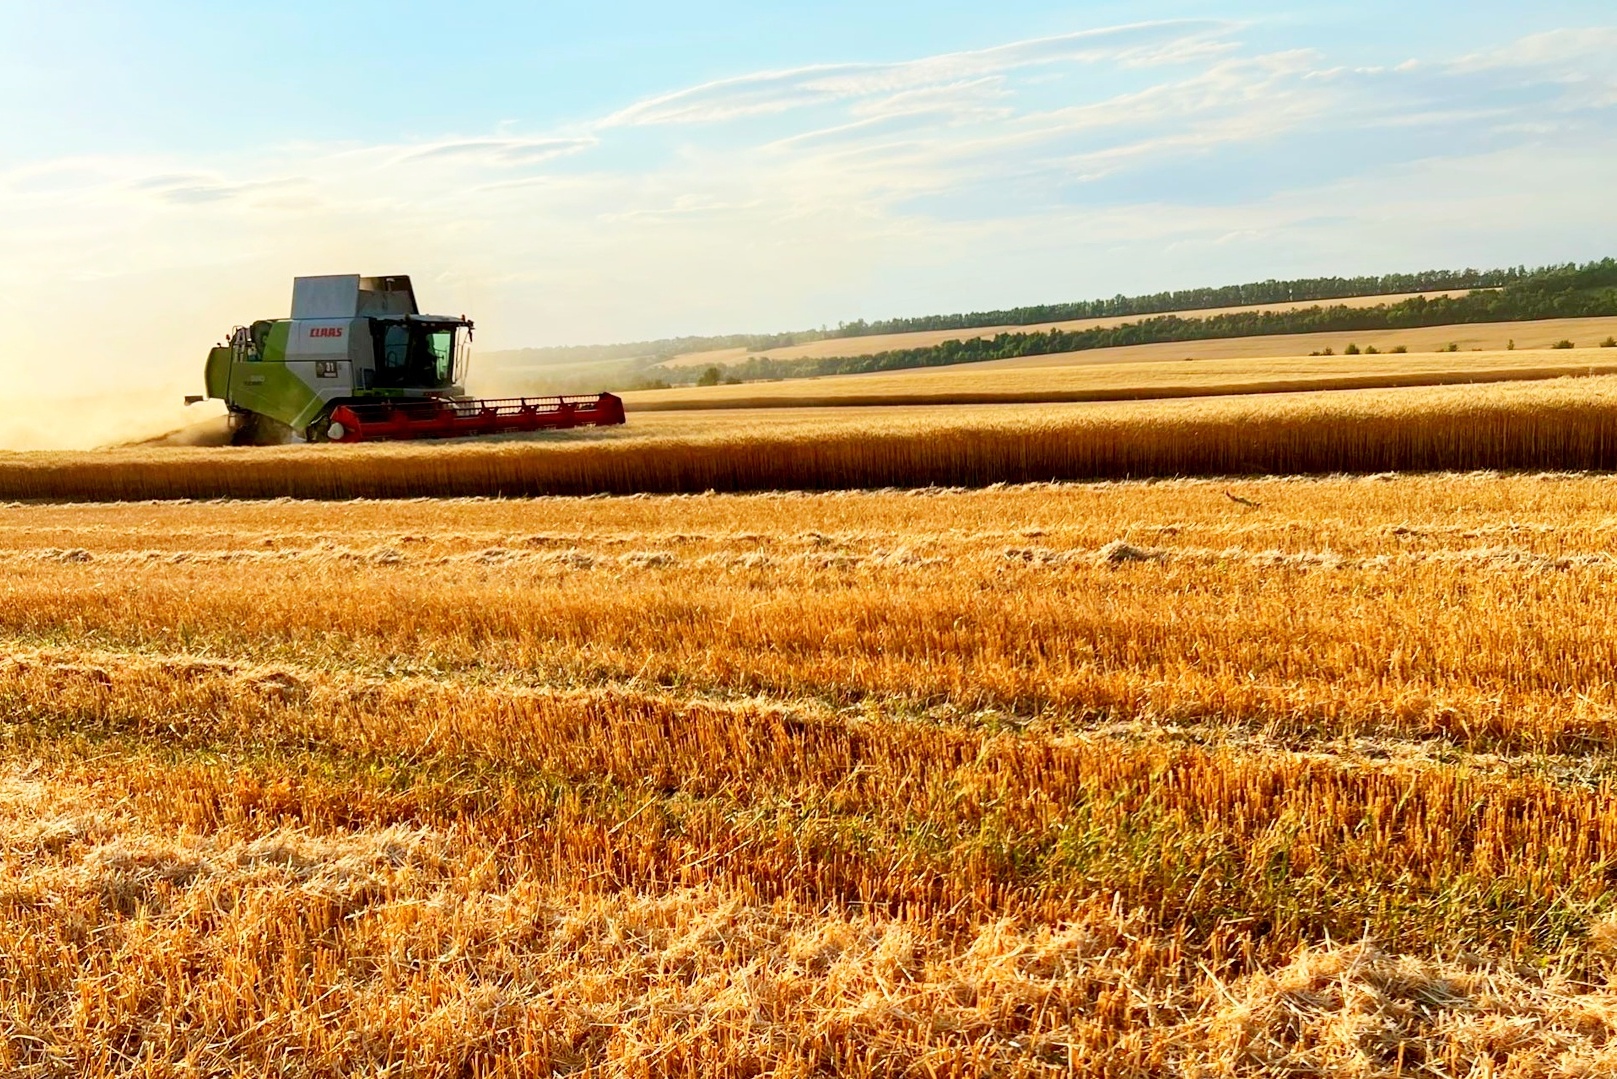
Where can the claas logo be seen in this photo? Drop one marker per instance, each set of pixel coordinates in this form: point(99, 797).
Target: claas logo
point(326, 331)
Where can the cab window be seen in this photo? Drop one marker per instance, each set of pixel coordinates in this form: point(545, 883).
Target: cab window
point(441, 350)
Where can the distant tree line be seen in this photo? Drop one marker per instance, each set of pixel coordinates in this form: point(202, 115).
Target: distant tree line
point(1199, 299)
point(1259, 292)
point(1569, 291)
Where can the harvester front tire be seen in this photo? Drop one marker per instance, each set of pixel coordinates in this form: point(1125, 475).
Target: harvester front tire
point(252, 429)
point(243, 429)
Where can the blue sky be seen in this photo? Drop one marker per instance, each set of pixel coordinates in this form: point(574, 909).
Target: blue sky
point(589, 172)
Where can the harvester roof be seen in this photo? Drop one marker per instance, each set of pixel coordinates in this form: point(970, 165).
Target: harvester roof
point(353, 296)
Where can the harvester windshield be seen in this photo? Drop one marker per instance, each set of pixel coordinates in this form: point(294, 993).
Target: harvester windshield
point(411, 354)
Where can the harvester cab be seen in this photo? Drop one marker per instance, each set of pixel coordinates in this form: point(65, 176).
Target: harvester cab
point(358, 361)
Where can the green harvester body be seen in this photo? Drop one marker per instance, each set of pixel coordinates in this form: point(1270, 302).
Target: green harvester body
point(358, 361)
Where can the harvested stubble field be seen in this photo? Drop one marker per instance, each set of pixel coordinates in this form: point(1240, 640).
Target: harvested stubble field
point(1559, 423)
point(1294, 777)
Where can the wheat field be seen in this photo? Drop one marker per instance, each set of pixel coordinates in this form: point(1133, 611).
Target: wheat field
point(1567, 423)
point(873, 343)
point(1100, 376)
point(1534, 336)
point(1190, 778)
point(1530, 335)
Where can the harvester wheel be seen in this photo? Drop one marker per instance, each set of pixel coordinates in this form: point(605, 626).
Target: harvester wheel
point(252, 429)
point(243, 428)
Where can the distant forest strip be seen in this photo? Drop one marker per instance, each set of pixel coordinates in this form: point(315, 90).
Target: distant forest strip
point(1196, 299)
point(1563, 292)
point(1257, 292)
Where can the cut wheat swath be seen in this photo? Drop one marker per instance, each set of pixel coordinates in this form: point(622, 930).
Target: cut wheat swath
point(1563, 424)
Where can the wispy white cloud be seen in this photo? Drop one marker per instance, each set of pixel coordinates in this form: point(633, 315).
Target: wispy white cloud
point(498, 152)
point(771, 92)
point(1563, 52)
point(194, 188)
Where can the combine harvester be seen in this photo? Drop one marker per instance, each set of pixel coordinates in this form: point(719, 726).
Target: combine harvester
point(358, 362)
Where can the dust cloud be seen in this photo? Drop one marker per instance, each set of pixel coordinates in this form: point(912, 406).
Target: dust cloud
point(98, 421)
